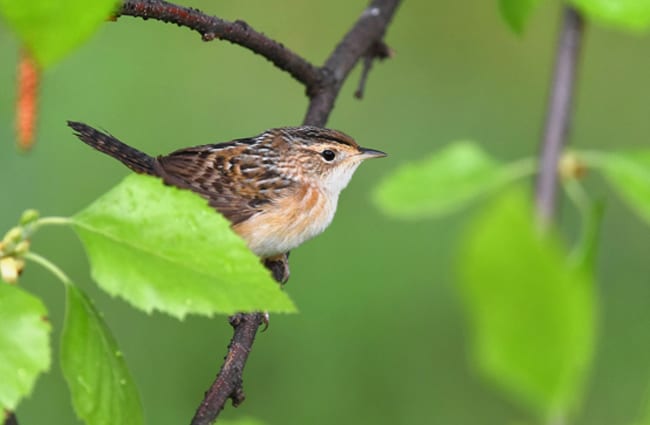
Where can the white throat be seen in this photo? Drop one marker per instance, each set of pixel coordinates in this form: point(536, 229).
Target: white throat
point(338, 178)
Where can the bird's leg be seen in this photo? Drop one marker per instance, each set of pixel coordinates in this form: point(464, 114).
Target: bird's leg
point(279, 267)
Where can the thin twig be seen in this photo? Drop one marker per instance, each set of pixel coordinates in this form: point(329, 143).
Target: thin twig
point(379, 50)
point(369, 29)
point(238, 32)
point(558, 116)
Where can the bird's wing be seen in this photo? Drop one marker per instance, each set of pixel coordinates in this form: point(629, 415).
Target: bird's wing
point(235, 180)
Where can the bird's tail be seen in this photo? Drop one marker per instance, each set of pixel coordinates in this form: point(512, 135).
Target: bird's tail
point(136, 160)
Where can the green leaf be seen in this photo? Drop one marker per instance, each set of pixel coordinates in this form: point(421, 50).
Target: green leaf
point(163, 248)
point(516, 12)
point(102, 389)
point(24, 344)
point(52, 28)
point(444, 182)
point(629, 174)
point(627, 14)
point(586, 249)
point(532, 314)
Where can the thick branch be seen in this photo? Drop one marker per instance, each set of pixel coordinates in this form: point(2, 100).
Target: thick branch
point(558, 115)
point(238, 32)
point(368, 30)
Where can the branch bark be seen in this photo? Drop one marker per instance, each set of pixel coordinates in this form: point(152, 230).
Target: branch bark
point(228, 384)
point(368, 30)
point(323, 84)
point(558, 116)
point(10, 418)
point(238, 32)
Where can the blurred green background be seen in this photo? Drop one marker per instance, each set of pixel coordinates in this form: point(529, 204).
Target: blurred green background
point(380, 337)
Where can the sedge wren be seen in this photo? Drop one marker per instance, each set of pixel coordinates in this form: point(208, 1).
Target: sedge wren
point(278, 189)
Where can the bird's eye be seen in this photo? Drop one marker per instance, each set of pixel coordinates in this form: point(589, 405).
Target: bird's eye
point(328, 155)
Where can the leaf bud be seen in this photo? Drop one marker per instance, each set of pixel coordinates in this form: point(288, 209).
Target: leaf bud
point(571, 166)
point(22, 248)
point(29, 217)
point(15, 234)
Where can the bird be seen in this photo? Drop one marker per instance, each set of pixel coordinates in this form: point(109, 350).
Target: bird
point(277, 189)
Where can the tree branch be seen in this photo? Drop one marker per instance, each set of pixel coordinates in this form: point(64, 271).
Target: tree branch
point(558, 116)
point(378, 51)
point(228, 383)
point(364, 40)
point(10, 418)
point(322, 84)
point(368, 30)
point(238, 32)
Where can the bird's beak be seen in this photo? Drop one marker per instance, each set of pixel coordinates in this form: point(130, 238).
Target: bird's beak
point(371, 153)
